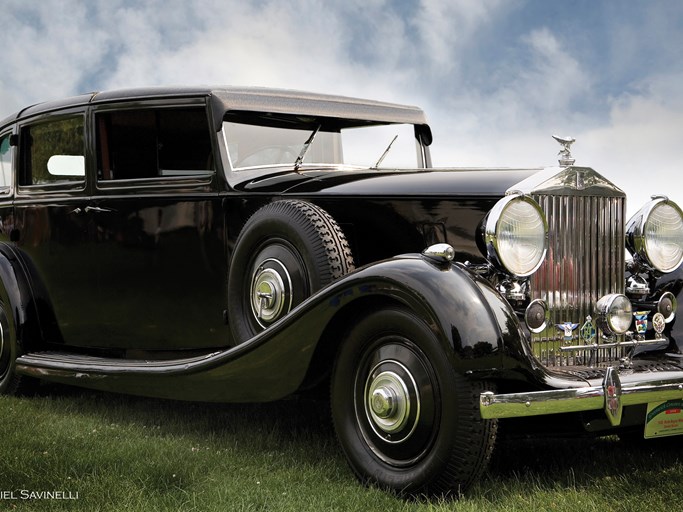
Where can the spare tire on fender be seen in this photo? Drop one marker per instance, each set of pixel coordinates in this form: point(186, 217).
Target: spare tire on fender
point(286, 251)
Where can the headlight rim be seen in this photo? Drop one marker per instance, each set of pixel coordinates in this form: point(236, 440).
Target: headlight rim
point(636, 233)
point(490, 233)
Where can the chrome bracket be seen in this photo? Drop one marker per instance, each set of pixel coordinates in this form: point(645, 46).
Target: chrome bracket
point(442, 252)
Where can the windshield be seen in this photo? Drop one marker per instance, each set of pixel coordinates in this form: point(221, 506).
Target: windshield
point(279, 143)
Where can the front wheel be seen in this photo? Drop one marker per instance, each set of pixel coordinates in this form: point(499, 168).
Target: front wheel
point(406, 421)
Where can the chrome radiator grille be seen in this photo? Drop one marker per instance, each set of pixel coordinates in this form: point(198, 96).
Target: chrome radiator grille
point(585, 261)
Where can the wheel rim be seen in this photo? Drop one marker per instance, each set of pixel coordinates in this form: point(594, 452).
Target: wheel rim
point(396, 401)
point(278, 282)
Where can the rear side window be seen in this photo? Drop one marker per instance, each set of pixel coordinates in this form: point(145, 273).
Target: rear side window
point(5, 163)
point(53, 152)
point(153, 143)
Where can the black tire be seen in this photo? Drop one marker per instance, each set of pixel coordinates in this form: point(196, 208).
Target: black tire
point(10, 382)
point(422, 432)
point(286, 251)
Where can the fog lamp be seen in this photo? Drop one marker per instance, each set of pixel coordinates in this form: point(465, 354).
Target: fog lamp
point(614, 313)
point(666, 305)
point(537, 316)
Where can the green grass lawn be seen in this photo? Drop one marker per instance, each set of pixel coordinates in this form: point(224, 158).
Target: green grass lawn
point(127, 453)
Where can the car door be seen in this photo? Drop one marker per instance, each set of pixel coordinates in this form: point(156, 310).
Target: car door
point(51, 227)
point(158, 238)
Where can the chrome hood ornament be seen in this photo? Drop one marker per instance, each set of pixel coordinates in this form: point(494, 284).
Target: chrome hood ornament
point(564, 154)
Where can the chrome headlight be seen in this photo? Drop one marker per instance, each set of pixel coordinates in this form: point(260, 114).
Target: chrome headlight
point(516, 235)
point(615, 313)
point(655, 234)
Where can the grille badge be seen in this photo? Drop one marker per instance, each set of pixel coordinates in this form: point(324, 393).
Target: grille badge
point(568, 329)
point(659, 324)
point(580, 183)
point(641, 323)
point(588, 331)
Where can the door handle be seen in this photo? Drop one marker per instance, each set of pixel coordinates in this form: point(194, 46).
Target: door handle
point(97, 209)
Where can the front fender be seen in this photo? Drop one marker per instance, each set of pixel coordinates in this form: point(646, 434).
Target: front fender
point(673, 283)
point(462, 309)
point(464, 312)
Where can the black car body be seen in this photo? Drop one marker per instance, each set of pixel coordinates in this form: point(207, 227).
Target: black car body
point(217, 245)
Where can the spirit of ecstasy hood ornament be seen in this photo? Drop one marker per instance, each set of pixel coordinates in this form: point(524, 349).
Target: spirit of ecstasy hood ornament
point(564, 154)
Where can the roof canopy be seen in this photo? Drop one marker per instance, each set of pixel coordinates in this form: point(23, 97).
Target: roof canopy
point(256, 99)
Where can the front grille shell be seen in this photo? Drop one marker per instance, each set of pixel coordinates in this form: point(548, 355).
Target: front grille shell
point(585, 261)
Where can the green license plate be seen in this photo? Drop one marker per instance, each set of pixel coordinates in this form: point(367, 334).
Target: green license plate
point(664, 419)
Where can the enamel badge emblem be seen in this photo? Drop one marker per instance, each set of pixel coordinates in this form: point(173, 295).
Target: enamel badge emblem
point(641, 322)
point(568, 330)
point(588, 331)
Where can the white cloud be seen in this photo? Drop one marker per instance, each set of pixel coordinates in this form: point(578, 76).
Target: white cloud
point(640, 147)
point(636, 145)
point(493, 95)
point(44, 57)
point(358, 48)
point(447, 28)
point(554, 77)
point(508, 123)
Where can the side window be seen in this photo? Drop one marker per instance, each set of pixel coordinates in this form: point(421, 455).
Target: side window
point(153, 143)
point(5, 163)
point(53, 152)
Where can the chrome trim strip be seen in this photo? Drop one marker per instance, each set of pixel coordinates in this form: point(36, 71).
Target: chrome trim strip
point(633, 343)
point(536, 403)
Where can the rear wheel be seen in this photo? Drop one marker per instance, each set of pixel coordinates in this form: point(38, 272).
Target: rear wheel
point(10, 382)
point(406, 421)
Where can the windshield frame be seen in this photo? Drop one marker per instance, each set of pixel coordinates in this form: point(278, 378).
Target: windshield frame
point(308, 124)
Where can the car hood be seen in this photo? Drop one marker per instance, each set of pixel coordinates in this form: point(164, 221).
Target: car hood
point(435, 182)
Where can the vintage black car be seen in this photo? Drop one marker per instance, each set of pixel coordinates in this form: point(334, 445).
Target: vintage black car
point(247, 244)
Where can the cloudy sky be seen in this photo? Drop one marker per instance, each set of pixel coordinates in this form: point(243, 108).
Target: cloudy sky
point(496, 77)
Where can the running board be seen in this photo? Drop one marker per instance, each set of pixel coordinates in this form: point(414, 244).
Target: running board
point(39, 364)
point(249, 372)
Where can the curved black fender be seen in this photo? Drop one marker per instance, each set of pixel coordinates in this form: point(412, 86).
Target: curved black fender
point(472, 321)
point(477, 327)
point(16, 291)
point(673, 283)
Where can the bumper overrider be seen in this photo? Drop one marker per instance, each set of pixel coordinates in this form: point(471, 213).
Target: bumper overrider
point(612, 395)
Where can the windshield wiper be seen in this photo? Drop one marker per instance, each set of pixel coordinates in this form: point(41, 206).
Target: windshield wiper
point(386, 151)
point(299, 159)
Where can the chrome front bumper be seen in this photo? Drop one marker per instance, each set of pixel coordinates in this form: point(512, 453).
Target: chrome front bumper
point(611, 396)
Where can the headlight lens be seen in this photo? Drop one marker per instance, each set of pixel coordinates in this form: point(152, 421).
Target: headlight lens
point(655, 234)
point(516, 235)
point(615, 313)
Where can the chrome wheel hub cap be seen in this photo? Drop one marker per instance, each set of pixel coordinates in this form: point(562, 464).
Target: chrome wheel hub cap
point(388, 403)
point(270, 291)
point(383, 402)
